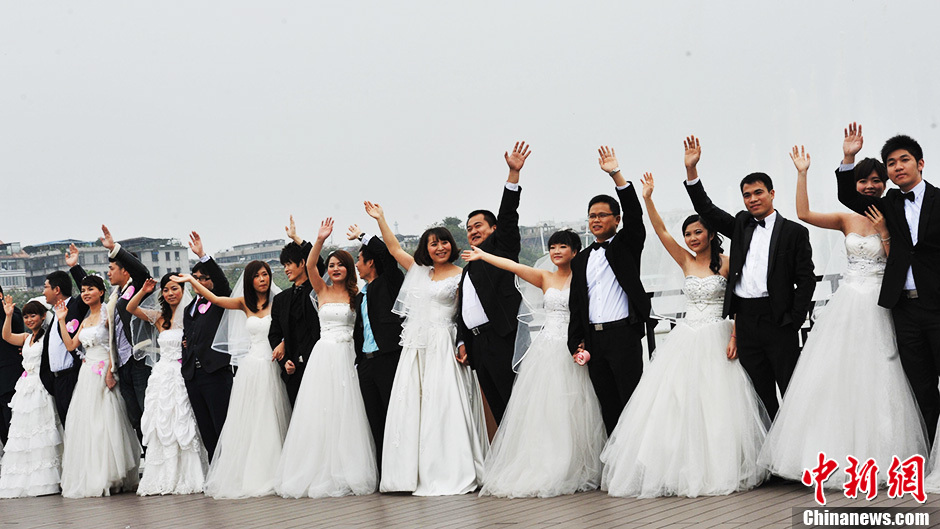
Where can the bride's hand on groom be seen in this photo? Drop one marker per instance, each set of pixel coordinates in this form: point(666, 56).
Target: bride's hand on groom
point(462, 355)
point(278, 354)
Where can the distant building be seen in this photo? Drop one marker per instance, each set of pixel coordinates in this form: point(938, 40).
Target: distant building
point(12, 267)
point(241, 254)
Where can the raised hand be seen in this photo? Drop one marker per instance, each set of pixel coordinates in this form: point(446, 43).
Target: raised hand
point(326, 228)
point(473, 254)
point(106, 240)
point(8, 305)
point(353, 232)
point(373, 210)
point(291, 230)
point(607, 159)
point(195, 244)
point(61, 310)
point(71, 255)
point(149, 285)
point(182, 278)
point(853, 140)
point(800, 158)
point(648, 185)
point(693, 151)
point(516, 160)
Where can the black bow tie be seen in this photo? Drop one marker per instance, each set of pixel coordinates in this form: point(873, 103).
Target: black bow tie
point(908, 196)
point(752, 222)
point(595, 245)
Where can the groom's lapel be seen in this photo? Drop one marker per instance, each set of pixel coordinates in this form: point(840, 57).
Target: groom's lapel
point(774, 241)
point(930, 196)
point(897, 202)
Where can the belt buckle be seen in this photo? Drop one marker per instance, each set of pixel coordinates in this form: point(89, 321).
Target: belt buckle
point(475, 331)
point(598, 326)
point(911, 294)
point(369, 355)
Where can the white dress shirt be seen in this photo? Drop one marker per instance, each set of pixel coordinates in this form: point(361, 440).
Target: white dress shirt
point(753, 282)
point(607, 301)
point(59, 357)
point(192, 311)
point(912, 214)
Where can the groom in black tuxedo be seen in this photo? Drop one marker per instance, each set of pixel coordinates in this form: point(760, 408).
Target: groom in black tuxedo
point(911, 283)
point(609, 306)
point(207, 372)
point(770, 280)
point(487, 299)
point(11, 369)
point(377, 333)
point(295, 323)
point(58, 368)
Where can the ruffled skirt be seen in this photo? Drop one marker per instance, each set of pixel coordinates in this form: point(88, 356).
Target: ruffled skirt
point(32, 464)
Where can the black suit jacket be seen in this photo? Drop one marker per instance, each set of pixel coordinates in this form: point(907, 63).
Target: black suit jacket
point(199, 328)
point(623, 254)
point(11, 361)
point(922, 258)
point(139, 275)
point(383, 291)
point(496, 287)
point(77, 310)
point(298, 335)
point(790, 277)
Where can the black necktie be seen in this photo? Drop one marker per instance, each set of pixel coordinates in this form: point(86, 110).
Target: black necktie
point(752, 223)
point(908, 196)
point(595, 245)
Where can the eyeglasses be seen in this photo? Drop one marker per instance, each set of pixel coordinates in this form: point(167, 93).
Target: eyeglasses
point(601, 216)
point(202, 278)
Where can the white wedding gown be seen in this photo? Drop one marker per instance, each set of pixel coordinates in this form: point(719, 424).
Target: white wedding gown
point(101, 452)
point(329, 449)
point(176, 459)
point(550, 440)
point(435, 438)
point(246, 458)
point(694, 425)
point(848, 394)
point(31, 463)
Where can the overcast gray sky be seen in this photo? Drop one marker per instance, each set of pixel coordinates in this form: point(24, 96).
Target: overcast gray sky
point(226, 116)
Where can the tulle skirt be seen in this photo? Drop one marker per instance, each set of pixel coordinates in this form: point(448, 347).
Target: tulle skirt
point(848, 394)
point(249, 448)
point(435, 432)
point(694, 425)
point(550, 440)
point(329, 449)
point(32, 464)
point(101, 450)
point(176, 460)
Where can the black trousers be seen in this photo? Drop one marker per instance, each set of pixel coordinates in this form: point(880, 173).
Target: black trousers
point(492, 359)
point(767, 351)
point(917, 327)
point(133, 377)
point(376, 375)
point(616, 366)
point(63, 384)
point(209, 395)
point(293, 381)
point(6, 414)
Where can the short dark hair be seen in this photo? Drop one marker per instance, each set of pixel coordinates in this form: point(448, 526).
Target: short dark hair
point(61, 280)
point(755, 178)
point(199, 267)
point(865, 168)
point(248, 287)
point(37, 308)
point(293, 253)
point(423, 257)
point(91, 281)
point(566, 237)
point(369, 255)
point(487, 216)
point(902, 141)
point(606, 199)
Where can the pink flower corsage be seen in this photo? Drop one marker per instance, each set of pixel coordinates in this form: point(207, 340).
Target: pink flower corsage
point(204, 307)
point(129, 294)
point(71, 326)
point(23, 375)
point(100, 369)
point(582, 357)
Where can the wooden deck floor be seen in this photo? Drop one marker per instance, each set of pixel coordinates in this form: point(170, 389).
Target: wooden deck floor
point(767, 506)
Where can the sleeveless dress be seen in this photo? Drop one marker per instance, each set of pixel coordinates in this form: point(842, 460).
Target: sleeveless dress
point(329, 449)
point(694, 426)
point(32, 464)
point(101, 452)
point(848, 394)
point(246, 458)
point(176, 460)
point(435, 438)
point(552, 433)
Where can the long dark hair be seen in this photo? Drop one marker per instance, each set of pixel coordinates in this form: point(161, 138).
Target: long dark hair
point(346, 260)
point(715, 264)
point(251, 295)
point(37, 308)
point(166, 311)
